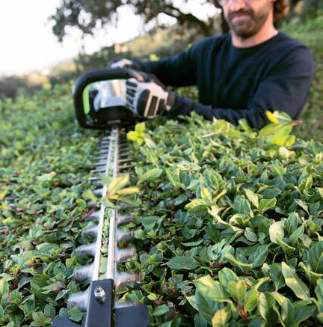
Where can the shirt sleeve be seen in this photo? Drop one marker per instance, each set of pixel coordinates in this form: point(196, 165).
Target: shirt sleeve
point(284, 89)
point(178, 70)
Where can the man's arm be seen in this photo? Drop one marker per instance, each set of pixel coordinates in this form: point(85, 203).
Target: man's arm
point(178, 70)
point(285, 89)
point(174, 71)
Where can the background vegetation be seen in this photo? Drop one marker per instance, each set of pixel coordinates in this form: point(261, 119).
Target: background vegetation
point(311, 33)
point(44, 163)
point(304, 22)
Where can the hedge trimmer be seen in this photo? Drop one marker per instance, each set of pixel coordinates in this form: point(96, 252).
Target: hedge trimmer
point(99, 98)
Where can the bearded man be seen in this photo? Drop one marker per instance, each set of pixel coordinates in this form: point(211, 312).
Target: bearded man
point(239, 75)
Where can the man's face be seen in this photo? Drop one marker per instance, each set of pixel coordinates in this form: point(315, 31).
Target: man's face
point(246, 17)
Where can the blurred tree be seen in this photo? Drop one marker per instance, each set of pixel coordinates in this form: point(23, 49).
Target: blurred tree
point(305, 9)
point(311, 8)
point(10, 85)
point(88, 14)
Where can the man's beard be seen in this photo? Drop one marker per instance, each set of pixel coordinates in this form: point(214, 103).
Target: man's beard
point(249, 24)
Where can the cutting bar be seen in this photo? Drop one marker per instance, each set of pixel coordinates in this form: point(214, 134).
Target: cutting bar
point(101, 274)
point(111, 269)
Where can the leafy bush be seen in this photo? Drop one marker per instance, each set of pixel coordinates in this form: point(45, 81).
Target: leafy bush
point(228, 224)
point(44, 164)
point(44, 159)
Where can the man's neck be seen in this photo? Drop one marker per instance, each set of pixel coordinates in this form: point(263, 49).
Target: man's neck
point(267, 32)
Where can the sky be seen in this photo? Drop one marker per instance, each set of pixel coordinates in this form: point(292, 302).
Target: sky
point(28, 43)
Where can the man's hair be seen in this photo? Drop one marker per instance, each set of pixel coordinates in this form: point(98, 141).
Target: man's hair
point(281, 8)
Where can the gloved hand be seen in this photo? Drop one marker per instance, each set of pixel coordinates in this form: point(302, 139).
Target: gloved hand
point(123, 63)
point(148, 99)
point(133, 67)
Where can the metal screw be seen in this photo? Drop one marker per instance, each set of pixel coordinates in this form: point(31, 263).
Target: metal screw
point(99, 294)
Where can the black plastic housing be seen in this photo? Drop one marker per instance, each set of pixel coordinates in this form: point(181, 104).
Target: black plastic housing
point(102, 313)
point(114, 116)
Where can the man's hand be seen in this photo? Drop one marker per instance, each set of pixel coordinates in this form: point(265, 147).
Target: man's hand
point(148, 99)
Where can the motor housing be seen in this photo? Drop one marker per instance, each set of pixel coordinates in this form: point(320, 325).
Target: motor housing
point(99, 98)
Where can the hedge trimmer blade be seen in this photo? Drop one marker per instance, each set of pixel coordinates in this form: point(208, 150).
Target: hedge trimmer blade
point(103, 250)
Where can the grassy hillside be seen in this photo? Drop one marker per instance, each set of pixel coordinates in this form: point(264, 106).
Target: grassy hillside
point(311, 35)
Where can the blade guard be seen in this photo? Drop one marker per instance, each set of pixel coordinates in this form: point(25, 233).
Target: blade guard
point(118, 115)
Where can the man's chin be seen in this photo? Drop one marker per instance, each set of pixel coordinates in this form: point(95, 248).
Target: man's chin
point(243, 31)
point(245, 26)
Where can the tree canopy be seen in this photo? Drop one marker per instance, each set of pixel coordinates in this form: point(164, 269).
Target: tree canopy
point(86, 15)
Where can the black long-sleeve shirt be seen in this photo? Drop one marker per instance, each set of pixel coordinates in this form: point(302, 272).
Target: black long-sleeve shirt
point(236, 83)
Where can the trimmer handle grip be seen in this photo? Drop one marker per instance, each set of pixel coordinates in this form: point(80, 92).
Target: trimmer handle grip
point(92, 76)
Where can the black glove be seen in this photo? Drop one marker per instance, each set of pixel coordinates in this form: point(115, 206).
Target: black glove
point(123, 63)
point(134, 69)
point(148, 99)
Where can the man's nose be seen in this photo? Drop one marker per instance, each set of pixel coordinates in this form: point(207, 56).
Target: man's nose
point(236, 5)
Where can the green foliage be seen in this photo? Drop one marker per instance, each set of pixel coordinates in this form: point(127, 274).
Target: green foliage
point(44, 158)
point(228, 230)
point(215, 201)
point(310, 33)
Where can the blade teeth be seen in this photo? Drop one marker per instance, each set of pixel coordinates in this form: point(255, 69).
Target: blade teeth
point(86, 250)
point(123, 255)
point(95, 216)
point(84, 273)
point(124, 161)
point(92, 205)
point(95, 179)
point(100, 165)
point(98, 192)
point(99, 171)
point(123, 278)
point(95, 174)
point(91, 231)
point(105, 140)
point(79, 300)
point(125, 167)
point(101, 161)
point(124, 155)
point(124, 236)
point(124, 219)
point(97, 184)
